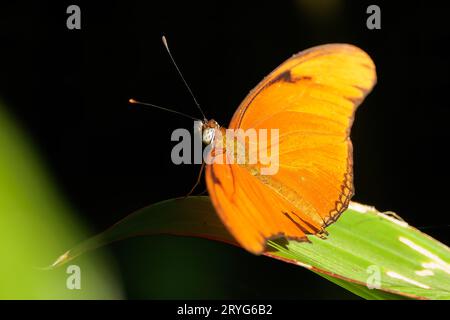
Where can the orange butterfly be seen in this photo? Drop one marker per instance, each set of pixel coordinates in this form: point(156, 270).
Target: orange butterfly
point(311, 99)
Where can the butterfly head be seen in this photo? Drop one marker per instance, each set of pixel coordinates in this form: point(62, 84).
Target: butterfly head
point(209, 131)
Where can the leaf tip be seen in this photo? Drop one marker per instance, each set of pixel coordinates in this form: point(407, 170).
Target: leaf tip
point(62, 259)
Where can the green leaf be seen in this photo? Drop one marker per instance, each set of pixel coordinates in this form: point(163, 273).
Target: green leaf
point(363, 246)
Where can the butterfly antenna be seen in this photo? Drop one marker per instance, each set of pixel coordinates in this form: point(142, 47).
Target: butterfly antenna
point(181, 75)
point(133, 101)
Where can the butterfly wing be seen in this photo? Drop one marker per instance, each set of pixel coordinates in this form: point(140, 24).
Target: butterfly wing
point(311, 99)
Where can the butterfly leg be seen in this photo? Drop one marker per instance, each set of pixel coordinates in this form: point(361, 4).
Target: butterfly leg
point(198, 180)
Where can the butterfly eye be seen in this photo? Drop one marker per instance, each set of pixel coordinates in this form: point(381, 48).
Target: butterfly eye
point(208, 135)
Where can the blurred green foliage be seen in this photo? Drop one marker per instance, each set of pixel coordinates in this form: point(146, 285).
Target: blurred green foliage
point(36, 225)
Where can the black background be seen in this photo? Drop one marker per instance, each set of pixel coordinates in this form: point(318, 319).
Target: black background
point(69, 90)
